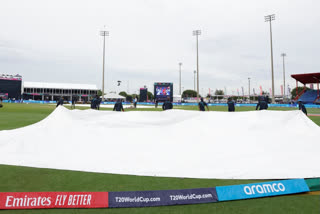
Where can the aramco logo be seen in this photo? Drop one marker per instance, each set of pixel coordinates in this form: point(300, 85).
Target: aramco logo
point(264, 188)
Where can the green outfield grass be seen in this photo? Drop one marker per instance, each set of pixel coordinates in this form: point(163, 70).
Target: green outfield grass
point(19, 179)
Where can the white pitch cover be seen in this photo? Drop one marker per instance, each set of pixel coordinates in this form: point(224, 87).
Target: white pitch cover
point(173, 143)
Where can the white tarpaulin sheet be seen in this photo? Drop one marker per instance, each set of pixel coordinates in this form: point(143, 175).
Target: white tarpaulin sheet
point(174, 143)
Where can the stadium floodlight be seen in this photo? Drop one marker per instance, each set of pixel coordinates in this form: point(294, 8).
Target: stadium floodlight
point(180, 64)
point(103, 33)
point(197, 33)
point(194, 80)
point(270, 18)
point(249, 89)
point(284, 76)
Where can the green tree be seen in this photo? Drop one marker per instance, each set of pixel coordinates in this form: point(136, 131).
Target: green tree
point(150, 96)
point(99, 93)
point(300, 89)
point(123, 93)
point(129, 98)
point(189, 93)
point(219, 92)
point(135, 96)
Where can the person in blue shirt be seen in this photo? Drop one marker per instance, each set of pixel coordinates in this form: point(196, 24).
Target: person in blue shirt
point(156, 103)
point(230, 105)
point(118, 106)
point(262, 103)
point(73, 102)
point(60, 102)
point(93, 103)
point(202, 105)
point(302, 108)
point(167, 105)
point(98, 102)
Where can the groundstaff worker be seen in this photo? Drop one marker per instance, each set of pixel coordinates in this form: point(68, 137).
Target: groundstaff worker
point(156, 103)
point(73, 102)
point(203, 104)
point(302, 107)
point(118, 106)
point(230, 105)
point(98, 102)
point(262, 103)
point(167, 104)
point(93, 103)
point(60, 102)
point(135, 102)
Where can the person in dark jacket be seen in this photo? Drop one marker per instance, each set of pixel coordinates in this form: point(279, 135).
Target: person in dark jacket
point(135, 102)
point(156, 103)
point(98, 102)
point(262, 104)
point(73, 102)
point(93, 103)
point(202, 105)
point(118, 106)
point(230, 105)
point(60, 102)
point(302, 108)
point(167, 105)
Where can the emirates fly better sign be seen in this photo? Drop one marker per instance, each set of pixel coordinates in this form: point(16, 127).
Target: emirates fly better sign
point(37, 200)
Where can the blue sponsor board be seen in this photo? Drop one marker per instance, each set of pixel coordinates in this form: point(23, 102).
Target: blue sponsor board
point(257, 190)
point(162, 197)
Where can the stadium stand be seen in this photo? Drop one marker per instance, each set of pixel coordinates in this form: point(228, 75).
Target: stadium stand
point(309, 96)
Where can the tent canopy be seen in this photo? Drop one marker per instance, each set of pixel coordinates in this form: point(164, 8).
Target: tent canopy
point(113, 96)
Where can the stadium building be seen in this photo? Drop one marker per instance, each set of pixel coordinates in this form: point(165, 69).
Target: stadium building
point(12, 87)
point(53, 91)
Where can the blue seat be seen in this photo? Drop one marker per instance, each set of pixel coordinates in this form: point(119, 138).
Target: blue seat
point(309, 96)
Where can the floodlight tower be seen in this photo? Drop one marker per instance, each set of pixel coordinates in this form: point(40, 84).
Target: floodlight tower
point(194, 80)
point(180, 64)
point(270, 18)
point(197, 33)
point(284, 76)
point(103, 33)
point(249, 89)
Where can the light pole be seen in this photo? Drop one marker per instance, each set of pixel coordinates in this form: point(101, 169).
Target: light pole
point(194, 79)
point(104, 34)
point(180, 64)
point(249, 88)
point(197, 33)
point(284, 76)
point(270, 18)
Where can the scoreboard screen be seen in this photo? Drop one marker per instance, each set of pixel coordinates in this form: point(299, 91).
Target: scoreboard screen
point(163, 91)
point(11, 87)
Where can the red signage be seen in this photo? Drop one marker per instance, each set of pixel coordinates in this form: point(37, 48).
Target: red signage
point(43, 200)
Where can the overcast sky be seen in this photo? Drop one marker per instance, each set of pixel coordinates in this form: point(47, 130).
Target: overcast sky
point(58, 41)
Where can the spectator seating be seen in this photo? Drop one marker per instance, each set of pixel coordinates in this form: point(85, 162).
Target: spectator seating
point(309, 96)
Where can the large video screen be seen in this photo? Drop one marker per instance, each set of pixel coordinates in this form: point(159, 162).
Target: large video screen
point(11, 87)
point(163, 91)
